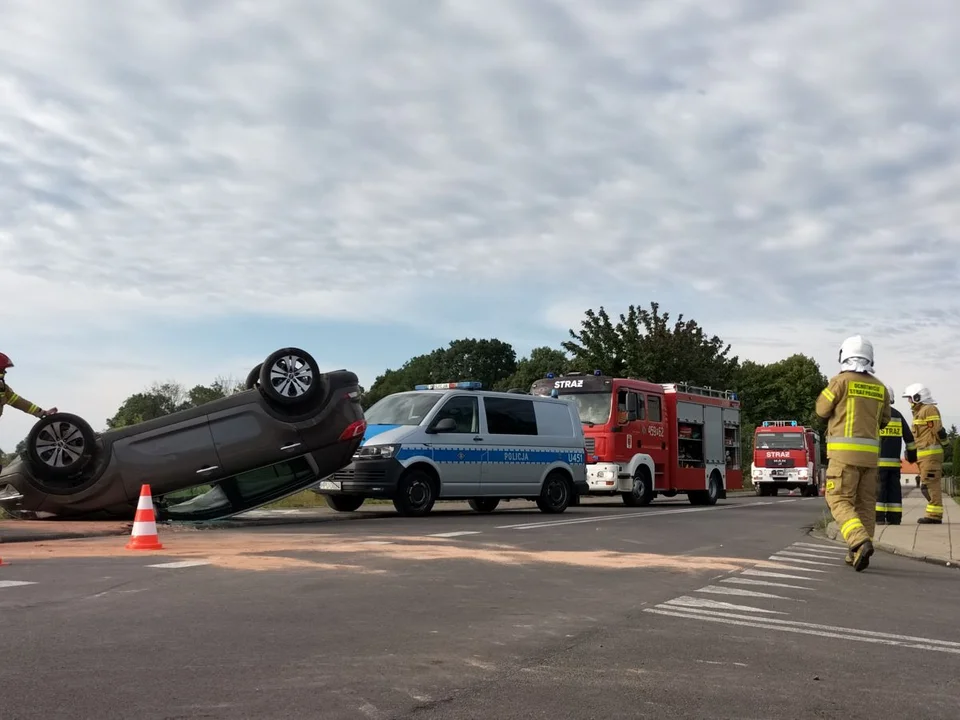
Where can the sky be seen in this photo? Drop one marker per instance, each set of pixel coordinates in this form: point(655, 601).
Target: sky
point(189, 185)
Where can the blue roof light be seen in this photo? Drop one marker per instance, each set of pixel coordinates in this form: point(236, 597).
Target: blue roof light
point(451, 386)
point(597, 373)
point(793, 423)
point(550, 375)
point(766, 423)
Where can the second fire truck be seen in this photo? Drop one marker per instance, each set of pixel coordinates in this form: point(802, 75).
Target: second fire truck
point(786, 456)
point(646, 439)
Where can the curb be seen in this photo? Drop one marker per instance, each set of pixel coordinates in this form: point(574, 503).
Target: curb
point(833, 531)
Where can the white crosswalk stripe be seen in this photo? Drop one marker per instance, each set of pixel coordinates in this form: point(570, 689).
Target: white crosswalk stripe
point(14, 583)
point(783, 598)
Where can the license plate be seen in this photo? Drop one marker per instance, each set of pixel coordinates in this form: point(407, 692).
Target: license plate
point(329, 485)
point(779, 475)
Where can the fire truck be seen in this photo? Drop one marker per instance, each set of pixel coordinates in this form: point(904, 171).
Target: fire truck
point(786, 455)
point(646, 439)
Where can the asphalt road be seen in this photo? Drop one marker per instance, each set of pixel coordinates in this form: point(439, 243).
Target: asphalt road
point(605, 612)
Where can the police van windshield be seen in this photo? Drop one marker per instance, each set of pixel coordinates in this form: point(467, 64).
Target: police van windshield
point(779, 441)
point(402, 409)
point(594, 408)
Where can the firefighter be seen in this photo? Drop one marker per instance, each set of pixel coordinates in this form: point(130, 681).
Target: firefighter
point(9, 397)
point(931, 438)
point(889, 492)
point(856, 408)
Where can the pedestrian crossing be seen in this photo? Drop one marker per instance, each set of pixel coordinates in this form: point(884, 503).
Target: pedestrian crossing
point(765, 596)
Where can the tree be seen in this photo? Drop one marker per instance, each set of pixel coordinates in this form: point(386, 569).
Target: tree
point(643, 344)
point(488, 361)
point(542, 360)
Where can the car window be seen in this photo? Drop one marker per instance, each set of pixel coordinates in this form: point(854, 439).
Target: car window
point(653, 408)
point(509, 416)
point(464, 410)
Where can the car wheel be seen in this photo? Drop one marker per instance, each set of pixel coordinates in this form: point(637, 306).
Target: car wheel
point(416, 494)
point(60, 445)
point(484, 505)
point(556, 494)
point(253, 377)
point(344, 503)
point(642, 492)
point(290, 377)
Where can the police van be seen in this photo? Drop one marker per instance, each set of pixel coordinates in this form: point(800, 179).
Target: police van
point(456, 441)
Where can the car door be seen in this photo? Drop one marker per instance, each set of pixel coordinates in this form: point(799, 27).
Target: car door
point(168, 455)
point(655, 437)
point(458, 453)
point(246, 437)
point(509, 467)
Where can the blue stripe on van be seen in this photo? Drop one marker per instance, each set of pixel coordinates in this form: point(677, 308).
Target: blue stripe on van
point(494, 455)
point(374, 430)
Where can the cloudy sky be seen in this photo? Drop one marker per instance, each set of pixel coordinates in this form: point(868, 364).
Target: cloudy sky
point(191, 184)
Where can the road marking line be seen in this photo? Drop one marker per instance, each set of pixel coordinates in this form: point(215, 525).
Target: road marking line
point(748, 581)
point(847, 633)
point(181, 564)
point(808, 554)
point(692, 602)
point(717, 590)
point(784, 559)
point(762, 624)
point(766, 573)
point(650, 513)
point(781, 565)
point(455, 534)
point(834, 548)
point(14, 583)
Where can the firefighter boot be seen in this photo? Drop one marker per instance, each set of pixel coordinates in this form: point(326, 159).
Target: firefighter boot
point(861, 556)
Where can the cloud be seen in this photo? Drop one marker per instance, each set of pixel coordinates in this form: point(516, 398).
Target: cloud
point(754, 164)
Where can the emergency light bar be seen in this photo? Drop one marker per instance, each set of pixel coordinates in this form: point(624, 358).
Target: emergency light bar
point(451, 386)
point(779, 423)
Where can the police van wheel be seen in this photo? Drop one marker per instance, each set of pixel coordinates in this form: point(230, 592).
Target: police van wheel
point(484, 504)
point(416, 494)
point(556, 495)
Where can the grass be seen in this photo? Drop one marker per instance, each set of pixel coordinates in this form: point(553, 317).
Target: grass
point(310, 499)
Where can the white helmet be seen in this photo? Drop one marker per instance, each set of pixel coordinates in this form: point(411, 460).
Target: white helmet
point(856, 347)
point(891, 395)
point(918, 393)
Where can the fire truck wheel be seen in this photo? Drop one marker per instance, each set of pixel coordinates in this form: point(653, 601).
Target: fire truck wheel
point(708, 496)
point(642, 493)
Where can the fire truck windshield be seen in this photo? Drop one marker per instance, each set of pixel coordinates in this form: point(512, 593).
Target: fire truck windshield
point(779, 441)
point(594, 408)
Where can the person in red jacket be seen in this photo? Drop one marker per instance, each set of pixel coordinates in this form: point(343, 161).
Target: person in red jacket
point(9, 397)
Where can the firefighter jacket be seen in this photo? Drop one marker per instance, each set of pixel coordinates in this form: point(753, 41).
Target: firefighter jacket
point(856, 407)
point(9, 397)
point(929, 433)
point(896, 432)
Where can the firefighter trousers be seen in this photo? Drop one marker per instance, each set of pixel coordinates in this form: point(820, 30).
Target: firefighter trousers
point(931, 474)
point(889, 496)
point(851, 495)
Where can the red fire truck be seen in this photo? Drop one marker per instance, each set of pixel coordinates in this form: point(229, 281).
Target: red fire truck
point(786, 455)
point(646, 439)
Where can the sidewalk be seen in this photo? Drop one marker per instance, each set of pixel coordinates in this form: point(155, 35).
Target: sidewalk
point(933, 543)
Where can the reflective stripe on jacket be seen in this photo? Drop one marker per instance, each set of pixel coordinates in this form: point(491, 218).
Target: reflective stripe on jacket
point(927, 426)
point(896, 432)
point(9, 397)
point(856, 407)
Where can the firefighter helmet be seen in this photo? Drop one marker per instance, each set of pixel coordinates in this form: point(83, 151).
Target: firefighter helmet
point(5, 362)
point(918, 393)
point(891, 395)
point(856, 347)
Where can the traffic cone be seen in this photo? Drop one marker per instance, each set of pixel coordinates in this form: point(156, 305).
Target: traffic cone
point(144, 534)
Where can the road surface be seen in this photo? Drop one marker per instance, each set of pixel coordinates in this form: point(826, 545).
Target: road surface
point(669, 611)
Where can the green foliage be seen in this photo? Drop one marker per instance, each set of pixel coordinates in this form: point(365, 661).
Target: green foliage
point(542, 360)
point(486, 361)
point(162, 399)
point(643, 344)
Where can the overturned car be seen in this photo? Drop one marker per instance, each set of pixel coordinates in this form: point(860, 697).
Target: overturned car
point(292, 426)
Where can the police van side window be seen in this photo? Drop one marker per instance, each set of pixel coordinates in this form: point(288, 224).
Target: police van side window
point(653, 409)
point(509, 416)
point(464, 411)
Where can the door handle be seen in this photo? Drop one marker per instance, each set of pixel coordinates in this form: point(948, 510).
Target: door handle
point(291, 446)
point(478, 439)
point(211, 468)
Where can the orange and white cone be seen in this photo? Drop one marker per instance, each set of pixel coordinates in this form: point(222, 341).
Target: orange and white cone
point(144, 534)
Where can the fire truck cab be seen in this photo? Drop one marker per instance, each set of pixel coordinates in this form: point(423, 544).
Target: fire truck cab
point(786, 455)
point(645, 439)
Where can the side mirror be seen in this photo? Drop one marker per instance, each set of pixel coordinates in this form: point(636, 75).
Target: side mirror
point(444, 426)
point(631, 407)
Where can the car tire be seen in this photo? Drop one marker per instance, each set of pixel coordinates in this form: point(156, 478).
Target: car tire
point(556, 493)
point(484, 505)
point(253, 377)
point(60, 445)
point(291, 377)
point(416, 494)
point(344, 503)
